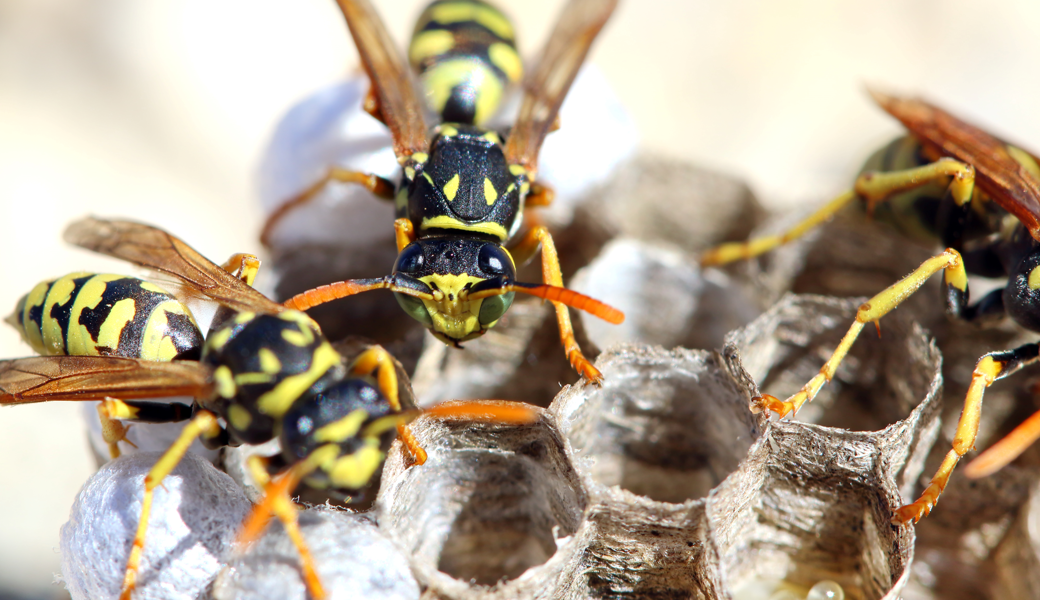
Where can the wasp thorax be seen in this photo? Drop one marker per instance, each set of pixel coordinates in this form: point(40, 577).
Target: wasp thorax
point(264, 363)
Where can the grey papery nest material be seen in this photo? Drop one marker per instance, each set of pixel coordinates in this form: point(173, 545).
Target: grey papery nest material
point(659, 483)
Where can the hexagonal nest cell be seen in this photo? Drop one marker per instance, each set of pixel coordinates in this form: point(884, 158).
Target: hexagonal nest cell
point(661, 482)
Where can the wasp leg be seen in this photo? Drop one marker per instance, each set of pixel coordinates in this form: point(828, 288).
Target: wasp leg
point(205, 424)
point(872, 187)
point(278, 501)
point(998, 455)
point(991, 367)
point(377, 360)
point(540, 195)
point(243, 266)
point(404, 232)
point(112, 412)
point(551, 275)
point(379, 186)
point(870, 312)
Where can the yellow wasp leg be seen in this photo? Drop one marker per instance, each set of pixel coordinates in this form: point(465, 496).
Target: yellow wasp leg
point(204, 423)
point(378, 360)
point(551, 275)
point(986, 372)
point(404, 233)
point(874, 187)
point(870, 312)
point(540, 195)
point(113, 430)
point(1006, 450)
point(379, 186)
point(277, 501)
point(243, 266)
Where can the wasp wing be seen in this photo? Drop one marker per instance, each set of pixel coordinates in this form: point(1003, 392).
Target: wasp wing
point(547, 85)
point(998, 174)
point(49, 378)
point(399, 106)
point(158, 250)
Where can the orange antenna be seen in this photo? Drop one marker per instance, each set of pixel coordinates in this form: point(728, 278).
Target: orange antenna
point(342, 289)
point(559, 294)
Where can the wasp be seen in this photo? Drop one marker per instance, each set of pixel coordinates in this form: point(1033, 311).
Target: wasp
point(263, 371)
point(463, 188)
point(952, 183)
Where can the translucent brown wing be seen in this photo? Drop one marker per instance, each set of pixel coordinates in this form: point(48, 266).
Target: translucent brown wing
point(546, 86)
point(154, 248)
point(996, 172)
point(400, 107)
point(48, 378)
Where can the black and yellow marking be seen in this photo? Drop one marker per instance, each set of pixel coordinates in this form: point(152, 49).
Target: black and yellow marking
point(463, 189)
point(466, 186)
point(90, 314)
point(465, 54)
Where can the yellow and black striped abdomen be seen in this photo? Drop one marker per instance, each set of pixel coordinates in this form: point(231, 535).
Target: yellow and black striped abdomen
point(91, 314)
point(465, 54)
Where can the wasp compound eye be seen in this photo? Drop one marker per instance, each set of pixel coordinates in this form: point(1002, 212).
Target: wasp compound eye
point(411, 259)
point(494, 262)
point(492, 308)
point(415, 308)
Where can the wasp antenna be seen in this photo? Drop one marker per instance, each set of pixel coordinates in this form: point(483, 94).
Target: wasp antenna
point(335, 291)
point(491, 411)
point(571, 298)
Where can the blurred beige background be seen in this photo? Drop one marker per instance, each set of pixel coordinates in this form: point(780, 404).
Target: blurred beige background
point(158, 110)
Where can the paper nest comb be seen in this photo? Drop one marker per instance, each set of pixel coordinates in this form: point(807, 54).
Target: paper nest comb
point(659, 484)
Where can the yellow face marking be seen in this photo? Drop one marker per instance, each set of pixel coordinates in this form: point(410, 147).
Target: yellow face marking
point(439, 81)
point(490, 195)
point(269, 362)
point(452, 187)
point(448, 131)
point(354, 471)
point(430, 43)
point(343, 429)
point(278, 400)
point(239, 417)
point(487, 16)
point(505, 57)
point(225, 382)
point(1034, 278)
point(446, 222)
point(457, 319)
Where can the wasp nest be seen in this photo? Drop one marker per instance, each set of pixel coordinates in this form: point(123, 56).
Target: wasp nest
point(658, 483)
point(965, 539)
